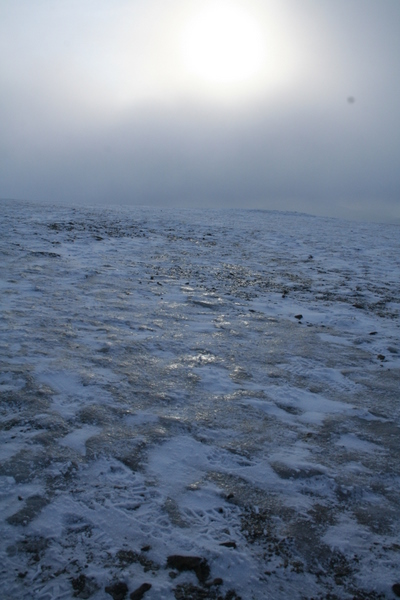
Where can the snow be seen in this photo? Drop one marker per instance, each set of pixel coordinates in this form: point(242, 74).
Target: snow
point(161, 395)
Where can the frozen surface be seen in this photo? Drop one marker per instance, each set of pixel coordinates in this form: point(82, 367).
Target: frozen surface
point(161, 395)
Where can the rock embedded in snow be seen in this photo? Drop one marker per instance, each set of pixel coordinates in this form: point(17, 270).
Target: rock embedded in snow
point(140, 591)
point(84, 587)
point(228, 544)
point(190, 563)
point(118, 590)
point(396, 589)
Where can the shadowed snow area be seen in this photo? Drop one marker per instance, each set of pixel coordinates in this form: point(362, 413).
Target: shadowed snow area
point(221, 385)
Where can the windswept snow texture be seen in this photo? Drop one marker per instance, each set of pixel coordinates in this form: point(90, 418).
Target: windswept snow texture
point(220, 385)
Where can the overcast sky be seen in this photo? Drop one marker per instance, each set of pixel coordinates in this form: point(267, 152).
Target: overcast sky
point(274, 104)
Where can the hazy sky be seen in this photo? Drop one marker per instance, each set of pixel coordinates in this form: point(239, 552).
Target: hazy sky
point(275, 104)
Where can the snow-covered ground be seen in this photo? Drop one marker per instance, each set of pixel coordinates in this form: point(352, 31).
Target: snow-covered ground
point(161, 396)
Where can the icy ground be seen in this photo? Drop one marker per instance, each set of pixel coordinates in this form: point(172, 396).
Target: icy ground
point(161, 396)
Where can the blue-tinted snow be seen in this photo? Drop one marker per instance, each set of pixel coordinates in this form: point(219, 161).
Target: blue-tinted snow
point(158, 392)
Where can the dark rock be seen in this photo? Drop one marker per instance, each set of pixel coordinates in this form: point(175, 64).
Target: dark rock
point(78, 584)
point(373, 333)
point(117, 590)
point(34, 546)
point(358, 305)
point(190, 563)
point(145, 549)
point(216, 581)
point(298, 316)
point(128, 557)
point(83, 586)
point(140, 592)
point(48, 254)
point(33, 506)
point(228, 544)
point(381, 356)
point(232, 595)
point(396, 589)
point(286, 472)
point(187, 591)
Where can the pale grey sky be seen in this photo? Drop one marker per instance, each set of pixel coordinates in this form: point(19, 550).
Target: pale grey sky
point(275, 104)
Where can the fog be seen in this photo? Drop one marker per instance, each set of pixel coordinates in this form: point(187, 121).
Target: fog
point(97, 108)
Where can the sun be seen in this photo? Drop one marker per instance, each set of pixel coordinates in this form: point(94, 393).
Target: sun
point(223, 45)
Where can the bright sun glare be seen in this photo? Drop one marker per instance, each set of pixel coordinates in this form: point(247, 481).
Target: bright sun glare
point(223, 45)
